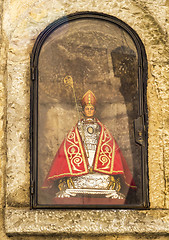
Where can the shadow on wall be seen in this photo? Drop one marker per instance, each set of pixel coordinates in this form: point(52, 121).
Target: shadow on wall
point(125, 67)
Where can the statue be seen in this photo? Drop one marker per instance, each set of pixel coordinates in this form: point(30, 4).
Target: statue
point(89, 162)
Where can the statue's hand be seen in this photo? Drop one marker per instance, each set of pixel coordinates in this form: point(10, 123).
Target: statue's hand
point(64, 194)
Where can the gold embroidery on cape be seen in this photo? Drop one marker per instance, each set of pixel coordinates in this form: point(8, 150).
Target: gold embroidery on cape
point(98, 149)
point(74, 153)
point(113, 154)
point(67, 158)
point(73, 150)
point(82, 151)
point(105, 151)
point(105, 154)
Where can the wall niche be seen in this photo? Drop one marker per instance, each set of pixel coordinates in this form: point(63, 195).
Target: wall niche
point(81, 63)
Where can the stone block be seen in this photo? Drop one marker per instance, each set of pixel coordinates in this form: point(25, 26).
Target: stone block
point(22, 22)
point(90, 222)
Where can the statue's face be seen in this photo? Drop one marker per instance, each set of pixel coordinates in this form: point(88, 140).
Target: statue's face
point(89, 110)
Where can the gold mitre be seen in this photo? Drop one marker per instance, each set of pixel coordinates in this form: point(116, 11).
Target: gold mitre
point(89, 98)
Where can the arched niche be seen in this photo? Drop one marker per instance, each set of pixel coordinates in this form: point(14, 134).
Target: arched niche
point(97, 52)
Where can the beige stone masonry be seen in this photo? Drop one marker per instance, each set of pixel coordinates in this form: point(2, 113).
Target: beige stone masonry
point(22, 22)
point(21, 29)
point(87, 222)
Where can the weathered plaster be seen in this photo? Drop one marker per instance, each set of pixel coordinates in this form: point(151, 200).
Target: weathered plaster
point(87, 222)
point(21, 28)
point(22, 22)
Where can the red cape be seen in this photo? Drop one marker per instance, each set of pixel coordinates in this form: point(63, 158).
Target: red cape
point(71, 160)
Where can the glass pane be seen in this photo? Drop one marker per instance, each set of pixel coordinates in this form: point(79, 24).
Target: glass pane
point(87, 102)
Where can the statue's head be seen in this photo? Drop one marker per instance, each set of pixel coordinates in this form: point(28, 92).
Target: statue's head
point(88, 104)
point(89, 110)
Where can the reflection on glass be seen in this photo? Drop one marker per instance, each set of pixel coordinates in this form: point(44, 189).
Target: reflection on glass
point(89, 167)
point(89, 163)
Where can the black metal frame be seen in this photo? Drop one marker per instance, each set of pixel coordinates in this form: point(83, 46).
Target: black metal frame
point(141, 124)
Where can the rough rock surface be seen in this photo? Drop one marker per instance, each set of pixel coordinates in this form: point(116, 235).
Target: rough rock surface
point(20, 24)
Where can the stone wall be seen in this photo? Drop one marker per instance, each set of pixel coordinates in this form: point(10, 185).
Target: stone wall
point(20, 23)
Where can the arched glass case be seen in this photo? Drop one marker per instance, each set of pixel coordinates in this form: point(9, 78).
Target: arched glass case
point(88, 115)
